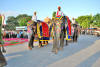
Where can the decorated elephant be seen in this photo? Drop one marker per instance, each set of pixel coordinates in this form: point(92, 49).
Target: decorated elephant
point(61, 27)
point(38, 32)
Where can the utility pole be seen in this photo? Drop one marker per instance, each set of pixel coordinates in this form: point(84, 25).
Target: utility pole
point(1, 41)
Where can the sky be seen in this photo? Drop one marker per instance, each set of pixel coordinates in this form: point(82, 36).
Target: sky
point(45, 8)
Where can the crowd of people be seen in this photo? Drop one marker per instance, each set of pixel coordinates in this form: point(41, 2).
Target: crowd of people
point(14, 34)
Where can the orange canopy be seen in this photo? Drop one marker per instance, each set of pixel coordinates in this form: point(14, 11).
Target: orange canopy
point(47, 19)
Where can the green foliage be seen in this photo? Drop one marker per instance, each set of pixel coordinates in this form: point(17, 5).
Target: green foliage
point(21, 16)
point(23, 21)
point(20, 20)
point(54, 14)
point(11, 23)
point(96, 20)
point(13, 20)
point(85, 21)
point(14, 42)
point(10, 26)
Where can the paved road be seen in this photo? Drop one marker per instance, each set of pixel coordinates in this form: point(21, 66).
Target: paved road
point(84, 53)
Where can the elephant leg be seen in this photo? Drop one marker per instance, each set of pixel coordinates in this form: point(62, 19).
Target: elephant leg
point(55, 47)
point(62, 41)
point(43, 42)
point(40, 44)
point(66, 42)
point(54, 44)
point(76, 38)
point(46, 42)
point(31, 42)
point(73, 38)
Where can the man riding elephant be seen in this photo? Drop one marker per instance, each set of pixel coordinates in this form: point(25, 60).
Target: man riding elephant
point(32, 31)
point(75, 30)
point(59, 12)
point(59, 29)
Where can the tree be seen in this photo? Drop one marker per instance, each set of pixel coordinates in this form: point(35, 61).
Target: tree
point(20, 20)
point(11, 23)
point(23, 20)
point(12, 19)
point(85, 21)
point(96, 20)
point(22, 15)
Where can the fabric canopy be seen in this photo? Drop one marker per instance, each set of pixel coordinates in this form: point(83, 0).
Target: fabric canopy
point(46, 19)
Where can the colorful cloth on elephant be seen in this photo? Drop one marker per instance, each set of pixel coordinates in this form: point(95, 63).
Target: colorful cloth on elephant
point(59, 18)
point(69, 25)
point(41, 31)
point(67, 30)
point(29, 26)
point(38, 31)
point(45, 30)
point(72, 30)
point(58, 28)
point(44, 38)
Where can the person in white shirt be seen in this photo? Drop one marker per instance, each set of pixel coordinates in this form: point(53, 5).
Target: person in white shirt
point(74, 30)
point(34, 17)
point(73, 21)
point(59, 12)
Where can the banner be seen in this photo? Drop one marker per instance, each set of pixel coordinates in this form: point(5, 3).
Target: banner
point(3, 20)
